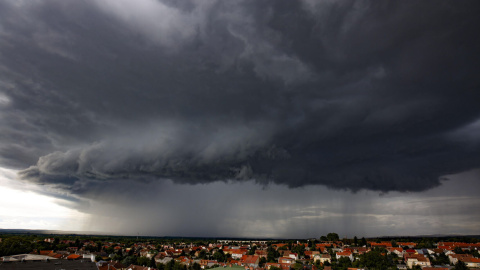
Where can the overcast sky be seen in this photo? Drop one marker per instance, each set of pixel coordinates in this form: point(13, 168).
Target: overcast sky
point(241, 118)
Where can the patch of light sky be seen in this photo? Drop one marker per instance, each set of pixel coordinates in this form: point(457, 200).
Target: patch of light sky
point(23, 207)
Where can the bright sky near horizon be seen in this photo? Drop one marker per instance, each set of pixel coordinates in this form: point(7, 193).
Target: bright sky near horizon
point(21, 207)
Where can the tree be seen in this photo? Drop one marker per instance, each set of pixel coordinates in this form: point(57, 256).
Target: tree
point(375, 260)
point(344, 263)
point(272, 254)
point(98, 245)
point(195, 266)
point(363, 242)
point(170, 265)
point(441, 259)
point(262, 262)
point(110, 250)
point(355, 240)
point(219, 256)
point(143, 261)
point(332, 237)
point(117, 258)
point(460, 266)
point(15, 245)
point(203, 254)
point(297, 266)
point(299, 249)
point(129, 260)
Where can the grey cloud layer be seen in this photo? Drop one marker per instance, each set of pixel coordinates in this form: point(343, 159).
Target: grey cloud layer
point(244, 210)
point(347, 94)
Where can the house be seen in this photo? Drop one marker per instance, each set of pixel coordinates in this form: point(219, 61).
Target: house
point(436, 251)
point(397, 250)
point(116, 266)
point(383, 244)
point(250, 261)
point(62, 256)
point(322, 258)
point(286, 260)
point(236, 253)
point(25, 258)
point(471, 262)
point(407, 244)
point(311, 254)
point(345, 254)
point(277, 246)
point(268, 265)
point(423, 251)
point(408, 253)
point(147, 253)
point(72, 249)
point(231, 261)
point(285, 266)
point(74, 257)
point(357, 250)
point(45, 252)
point(207, 263)
point(162, 259)
point(90, 257)
point(49, 240)
point(418, 260)
point(184, 260)
point(137, 267)
point(261, 253)
point(103, 265)
point(455, 257)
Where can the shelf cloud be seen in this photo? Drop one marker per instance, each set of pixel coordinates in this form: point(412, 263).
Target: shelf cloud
point(350, 95)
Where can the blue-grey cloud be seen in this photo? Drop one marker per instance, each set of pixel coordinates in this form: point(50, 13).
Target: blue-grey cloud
point(347, 94)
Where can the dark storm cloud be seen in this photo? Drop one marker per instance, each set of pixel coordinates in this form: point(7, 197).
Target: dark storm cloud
point(347, 94)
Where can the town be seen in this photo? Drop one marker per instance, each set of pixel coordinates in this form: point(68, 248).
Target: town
point(327, 252)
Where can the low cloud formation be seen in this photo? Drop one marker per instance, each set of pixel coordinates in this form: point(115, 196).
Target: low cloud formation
point(346, 94)
point(242, 209)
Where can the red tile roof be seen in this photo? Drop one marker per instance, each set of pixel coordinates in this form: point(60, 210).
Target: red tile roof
point(381, 244)
point(73, 257)
point(251, 259)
